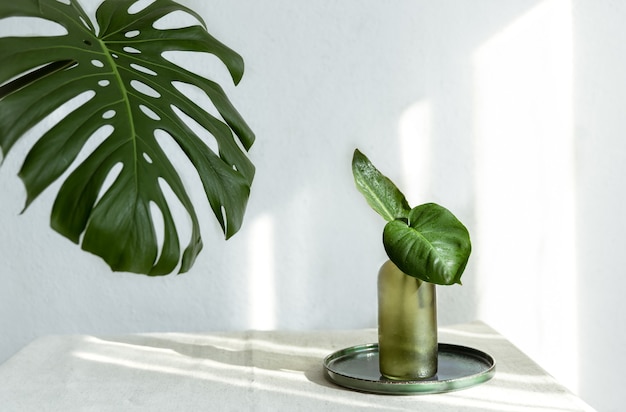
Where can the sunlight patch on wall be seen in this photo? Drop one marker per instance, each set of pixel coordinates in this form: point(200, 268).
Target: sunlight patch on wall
point(262, 284)
point(525, 211)
point(415, 149)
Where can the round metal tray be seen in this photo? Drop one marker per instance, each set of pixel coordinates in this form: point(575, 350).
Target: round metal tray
point(459, 367)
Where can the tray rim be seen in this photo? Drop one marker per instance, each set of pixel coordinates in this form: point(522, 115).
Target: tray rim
point(409, 387)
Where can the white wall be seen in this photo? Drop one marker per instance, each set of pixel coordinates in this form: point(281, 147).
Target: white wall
point(600, 127)
point(508, 113)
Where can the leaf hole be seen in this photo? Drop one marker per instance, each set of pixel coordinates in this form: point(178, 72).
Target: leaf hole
point(191, 180)
point(93, 142)
point(149, 112)
point(85, 23)
point(142, 69)
point(112, 176)
point(139, 6)
point(198, 96)
point(131, 34)
point(109, 114)
point(66, 2)
point(114, 55)
point(87, 42)
point(147, 158)
point(131, 50)
point(200, 131)
point(206, 65)
point(159, 227)
point(97, 63)
point(224, 218)
point(144, 88)
point(103, 83)
point(176, 20)
point(30, 27)
point(63, 111)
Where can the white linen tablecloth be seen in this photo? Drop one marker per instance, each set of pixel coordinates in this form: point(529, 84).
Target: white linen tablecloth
point(250, 371)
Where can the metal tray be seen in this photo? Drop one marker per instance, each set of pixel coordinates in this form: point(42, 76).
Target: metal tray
point(459, 367)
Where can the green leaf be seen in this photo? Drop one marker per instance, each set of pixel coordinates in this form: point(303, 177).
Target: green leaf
point(379, 191)
point(131, 89)
point(433, 245)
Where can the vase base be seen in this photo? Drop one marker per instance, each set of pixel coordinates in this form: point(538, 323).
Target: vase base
point(459, 367)
point(396, 379)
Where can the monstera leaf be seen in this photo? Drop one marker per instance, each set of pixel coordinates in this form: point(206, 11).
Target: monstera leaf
point(427, 242)
point(134, 95)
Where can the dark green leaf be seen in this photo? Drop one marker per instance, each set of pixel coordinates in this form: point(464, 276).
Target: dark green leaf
point(433, 245)
point(132, 91)
point(380, 192)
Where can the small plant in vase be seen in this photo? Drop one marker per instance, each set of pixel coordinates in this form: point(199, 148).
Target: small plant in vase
point(427, 246)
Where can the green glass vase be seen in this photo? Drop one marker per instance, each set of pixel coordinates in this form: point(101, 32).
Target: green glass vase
point(407, 325)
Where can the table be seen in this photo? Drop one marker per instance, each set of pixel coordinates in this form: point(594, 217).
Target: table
point(250, 371)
